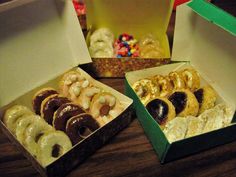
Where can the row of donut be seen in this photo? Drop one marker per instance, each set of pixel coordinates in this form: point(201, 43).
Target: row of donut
point(44, 142)
point(163, 86)
point(64, 115)
point(102, 105)
point(103, 44)
point(212, 119)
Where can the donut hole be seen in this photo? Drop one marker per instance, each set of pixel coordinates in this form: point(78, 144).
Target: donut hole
point(38, 137)
point(56, 151)
point(84, 131)
point(104, 110)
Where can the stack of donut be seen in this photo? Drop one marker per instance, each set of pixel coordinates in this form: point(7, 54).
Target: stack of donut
point(149, 47)
point(101, 43)
point(44, 142)
point(177, 94)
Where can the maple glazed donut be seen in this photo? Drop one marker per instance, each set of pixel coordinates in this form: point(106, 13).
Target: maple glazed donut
point(50, 105)
point(145, 89)
point(185, 103)
point(13, 114)
point(40, 96)
point(177, 80)
point(64, 113)
point(52, 145)
point(164, 85)
point(80, 126)
point(191, 79)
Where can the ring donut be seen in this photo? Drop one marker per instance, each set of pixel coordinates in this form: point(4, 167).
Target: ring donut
point(22, 124)
point(145, 89)
point(86, 96)
point(32, 134)
point(68, 79)
point(164, 85)
point(75, 89)
point(185, 103)
point(40, 96)
point(64, 113)
point(80, 126)
point(50, 105)
point(148, 40)
point(104, 105)
point(13, 114)
point(52, 145)
point(102, 35)
point(177, 80)
point(191, 79)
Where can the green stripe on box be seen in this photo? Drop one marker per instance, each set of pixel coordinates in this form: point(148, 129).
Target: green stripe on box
point(214, 14)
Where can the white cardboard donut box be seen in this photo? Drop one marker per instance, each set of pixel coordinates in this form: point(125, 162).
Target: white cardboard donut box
point(205, 40)
point(39, 41)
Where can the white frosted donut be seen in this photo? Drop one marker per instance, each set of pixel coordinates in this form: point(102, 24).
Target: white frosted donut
point(21, 125)
point(52, 145)
point(86, 96)
point(13, 114)
point(102, 34)
point(105, 105)
point(32, 134)
point(101, 49)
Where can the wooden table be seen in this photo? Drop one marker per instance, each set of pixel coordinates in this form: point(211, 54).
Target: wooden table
point(130, 153)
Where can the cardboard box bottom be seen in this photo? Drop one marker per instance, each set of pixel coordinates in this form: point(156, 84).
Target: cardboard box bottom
point(80, 151)
point(171, 151)
point(117, 67)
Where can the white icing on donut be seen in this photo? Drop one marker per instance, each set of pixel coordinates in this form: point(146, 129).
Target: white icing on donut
point(85, 84)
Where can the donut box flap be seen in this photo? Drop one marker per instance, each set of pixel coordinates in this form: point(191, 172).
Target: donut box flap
point(39, 39)
point(205, 36)
point(136, 17)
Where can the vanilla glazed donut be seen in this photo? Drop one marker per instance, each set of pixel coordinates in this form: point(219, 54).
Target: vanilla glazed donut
point(80, 126)
point(164, 85)
point(70, 78)
point(22, 124)
point(40, 96)
point(50, 105)
point(86, 96)
point(52, 145)
point(13, 114)
point(32, 134)
point(64, 113)
point(104, 106)
point(161, 109)
point(177, 80)
point(102, 35)
point(185, 103)
point(206, 97)
point(191, 79)
point(145, 89)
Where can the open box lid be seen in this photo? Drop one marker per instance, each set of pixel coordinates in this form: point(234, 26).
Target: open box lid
point(136, 17)
point(39, 39)
point(205, 36)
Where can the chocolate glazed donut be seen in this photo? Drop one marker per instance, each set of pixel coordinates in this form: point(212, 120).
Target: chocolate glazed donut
point(50, 105)
point(40, 96)
point(80, 126)
point(64, 113)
